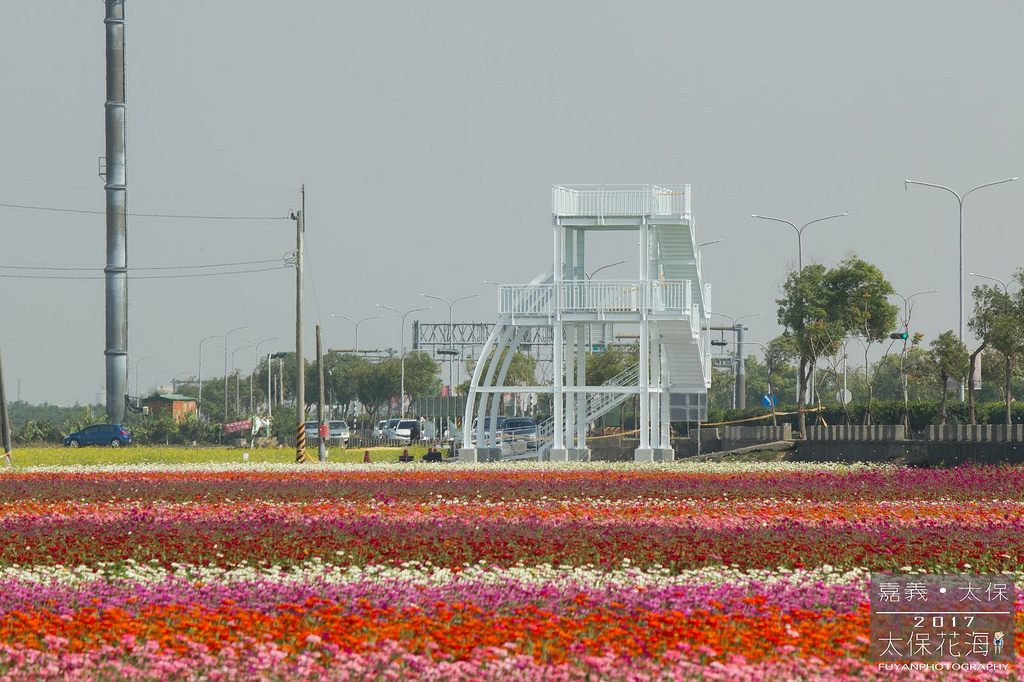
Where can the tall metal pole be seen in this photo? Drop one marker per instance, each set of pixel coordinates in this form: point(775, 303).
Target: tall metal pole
point(300, 363)
point(401, 397)
point(960, 201)
point(800, 267)
point(5, 426)
point(270, 398)
point(116, 187)
point(451, 334)
point(199, 399)
point(236, 329)
point(321, 450)
point(251, 379)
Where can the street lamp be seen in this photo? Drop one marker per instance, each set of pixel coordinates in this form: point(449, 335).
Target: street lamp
point(1006, 288)
point(908, 307)
point(960, 200)
point(137, 363)
point(199, 399)
point(800, 232)
point(771, 393)
point(401, 396)
point(740, 390)
point(253, 374)
point(344, 317)
point(603, 267)
point(590, 333)
point(248, 344)
point(236, 329)
point(450, 351)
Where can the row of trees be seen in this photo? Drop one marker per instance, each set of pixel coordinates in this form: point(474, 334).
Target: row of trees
point(822, 310)
point(346, 378)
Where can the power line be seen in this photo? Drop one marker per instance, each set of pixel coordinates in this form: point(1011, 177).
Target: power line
point(136, 190)
point(166, 267)
point(100, 277)
point(142, 215)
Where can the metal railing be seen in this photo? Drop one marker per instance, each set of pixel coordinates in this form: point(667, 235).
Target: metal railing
point(603, 296)
point(597, 404)
point(619, 200)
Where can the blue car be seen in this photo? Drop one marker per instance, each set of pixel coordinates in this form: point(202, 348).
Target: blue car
point(113, 435)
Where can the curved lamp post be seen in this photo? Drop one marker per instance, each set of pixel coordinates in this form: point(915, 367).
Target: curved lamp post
point(1006, 287)
point(800, 232)
point(236, 329)
point(401, 396)
point(451, 335)
point(253, 373)
point(356, 323)
point(199, 398)
point(960, 201)
point(739, 396)
point(137, 363)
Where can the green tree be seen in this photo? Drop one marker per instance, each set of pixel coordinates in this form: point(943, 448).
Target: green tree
point(999, 322)
point(377, 384)
point(947, 358)
point(422, 375)
point(820, 307)
point(723, 388)
point(614, 360)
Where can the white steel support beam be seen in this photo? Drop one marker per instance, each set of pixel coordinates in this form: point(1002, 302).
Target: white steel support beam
point(558, 342)
point(581, 381)
point(570, 383)
point(666, 402)
point(645, 340)
point(579, 272)
point(655, 396)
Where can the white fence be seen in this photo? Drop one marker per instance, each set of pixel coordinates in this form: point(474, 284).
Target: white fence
point(619, 200)
point(604, 296)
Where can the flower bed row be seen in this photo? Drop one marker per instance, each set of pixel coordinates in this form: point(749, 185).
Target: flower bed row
point(590, 573)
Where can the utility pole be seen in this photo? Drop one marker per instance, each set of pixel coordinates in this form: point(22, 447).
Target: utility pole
point(321, 450)
point(5, 424)
point(300, 380)
point(115, 175)
point(741, 370)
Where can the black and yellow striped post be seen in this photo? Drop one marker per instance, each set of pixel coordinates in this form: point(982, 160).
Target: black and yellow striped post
point(300, 443)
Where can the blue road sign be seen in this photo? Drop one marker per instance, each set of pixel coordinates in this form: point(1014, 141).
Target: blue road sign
point(768, 400)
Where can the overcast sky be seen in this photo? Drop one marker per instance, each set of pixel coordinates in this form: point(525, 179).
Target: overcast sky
point(428, 135)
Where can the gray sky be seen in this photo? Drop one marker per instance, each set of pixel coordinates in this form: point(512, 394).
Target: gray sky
point(428, 136)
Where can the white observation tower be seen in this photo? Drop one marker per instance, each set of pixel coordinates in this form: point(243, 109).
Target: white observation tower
point(667, 301)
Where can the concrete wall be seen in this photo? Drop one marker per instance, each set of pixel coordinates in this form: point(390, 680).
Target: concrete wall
point(734, 437)
point(914, 453)
point(976, 433)
point(883, 432)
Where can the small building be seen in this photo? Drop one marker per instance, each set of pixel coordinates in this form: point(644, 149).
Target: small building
point(178, 406)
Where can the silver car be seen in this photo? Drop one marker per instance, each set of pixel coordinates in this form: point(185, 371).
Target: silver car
point(337, 432)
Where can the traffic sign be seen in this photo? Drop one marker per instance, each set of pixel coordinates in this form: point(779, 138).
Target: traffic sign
point(725, 361)
point(768, 400)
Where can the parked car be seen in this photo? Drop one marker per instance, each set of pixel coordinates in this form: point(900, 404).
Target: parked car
point(114, 435)
point(378, 429)
point(520, 429)
point(337, 430)
point(399, 429)
point(487, 429)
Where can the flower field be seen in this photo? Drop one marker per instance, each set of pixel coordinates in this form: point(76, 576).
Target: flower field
point(588, 572)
